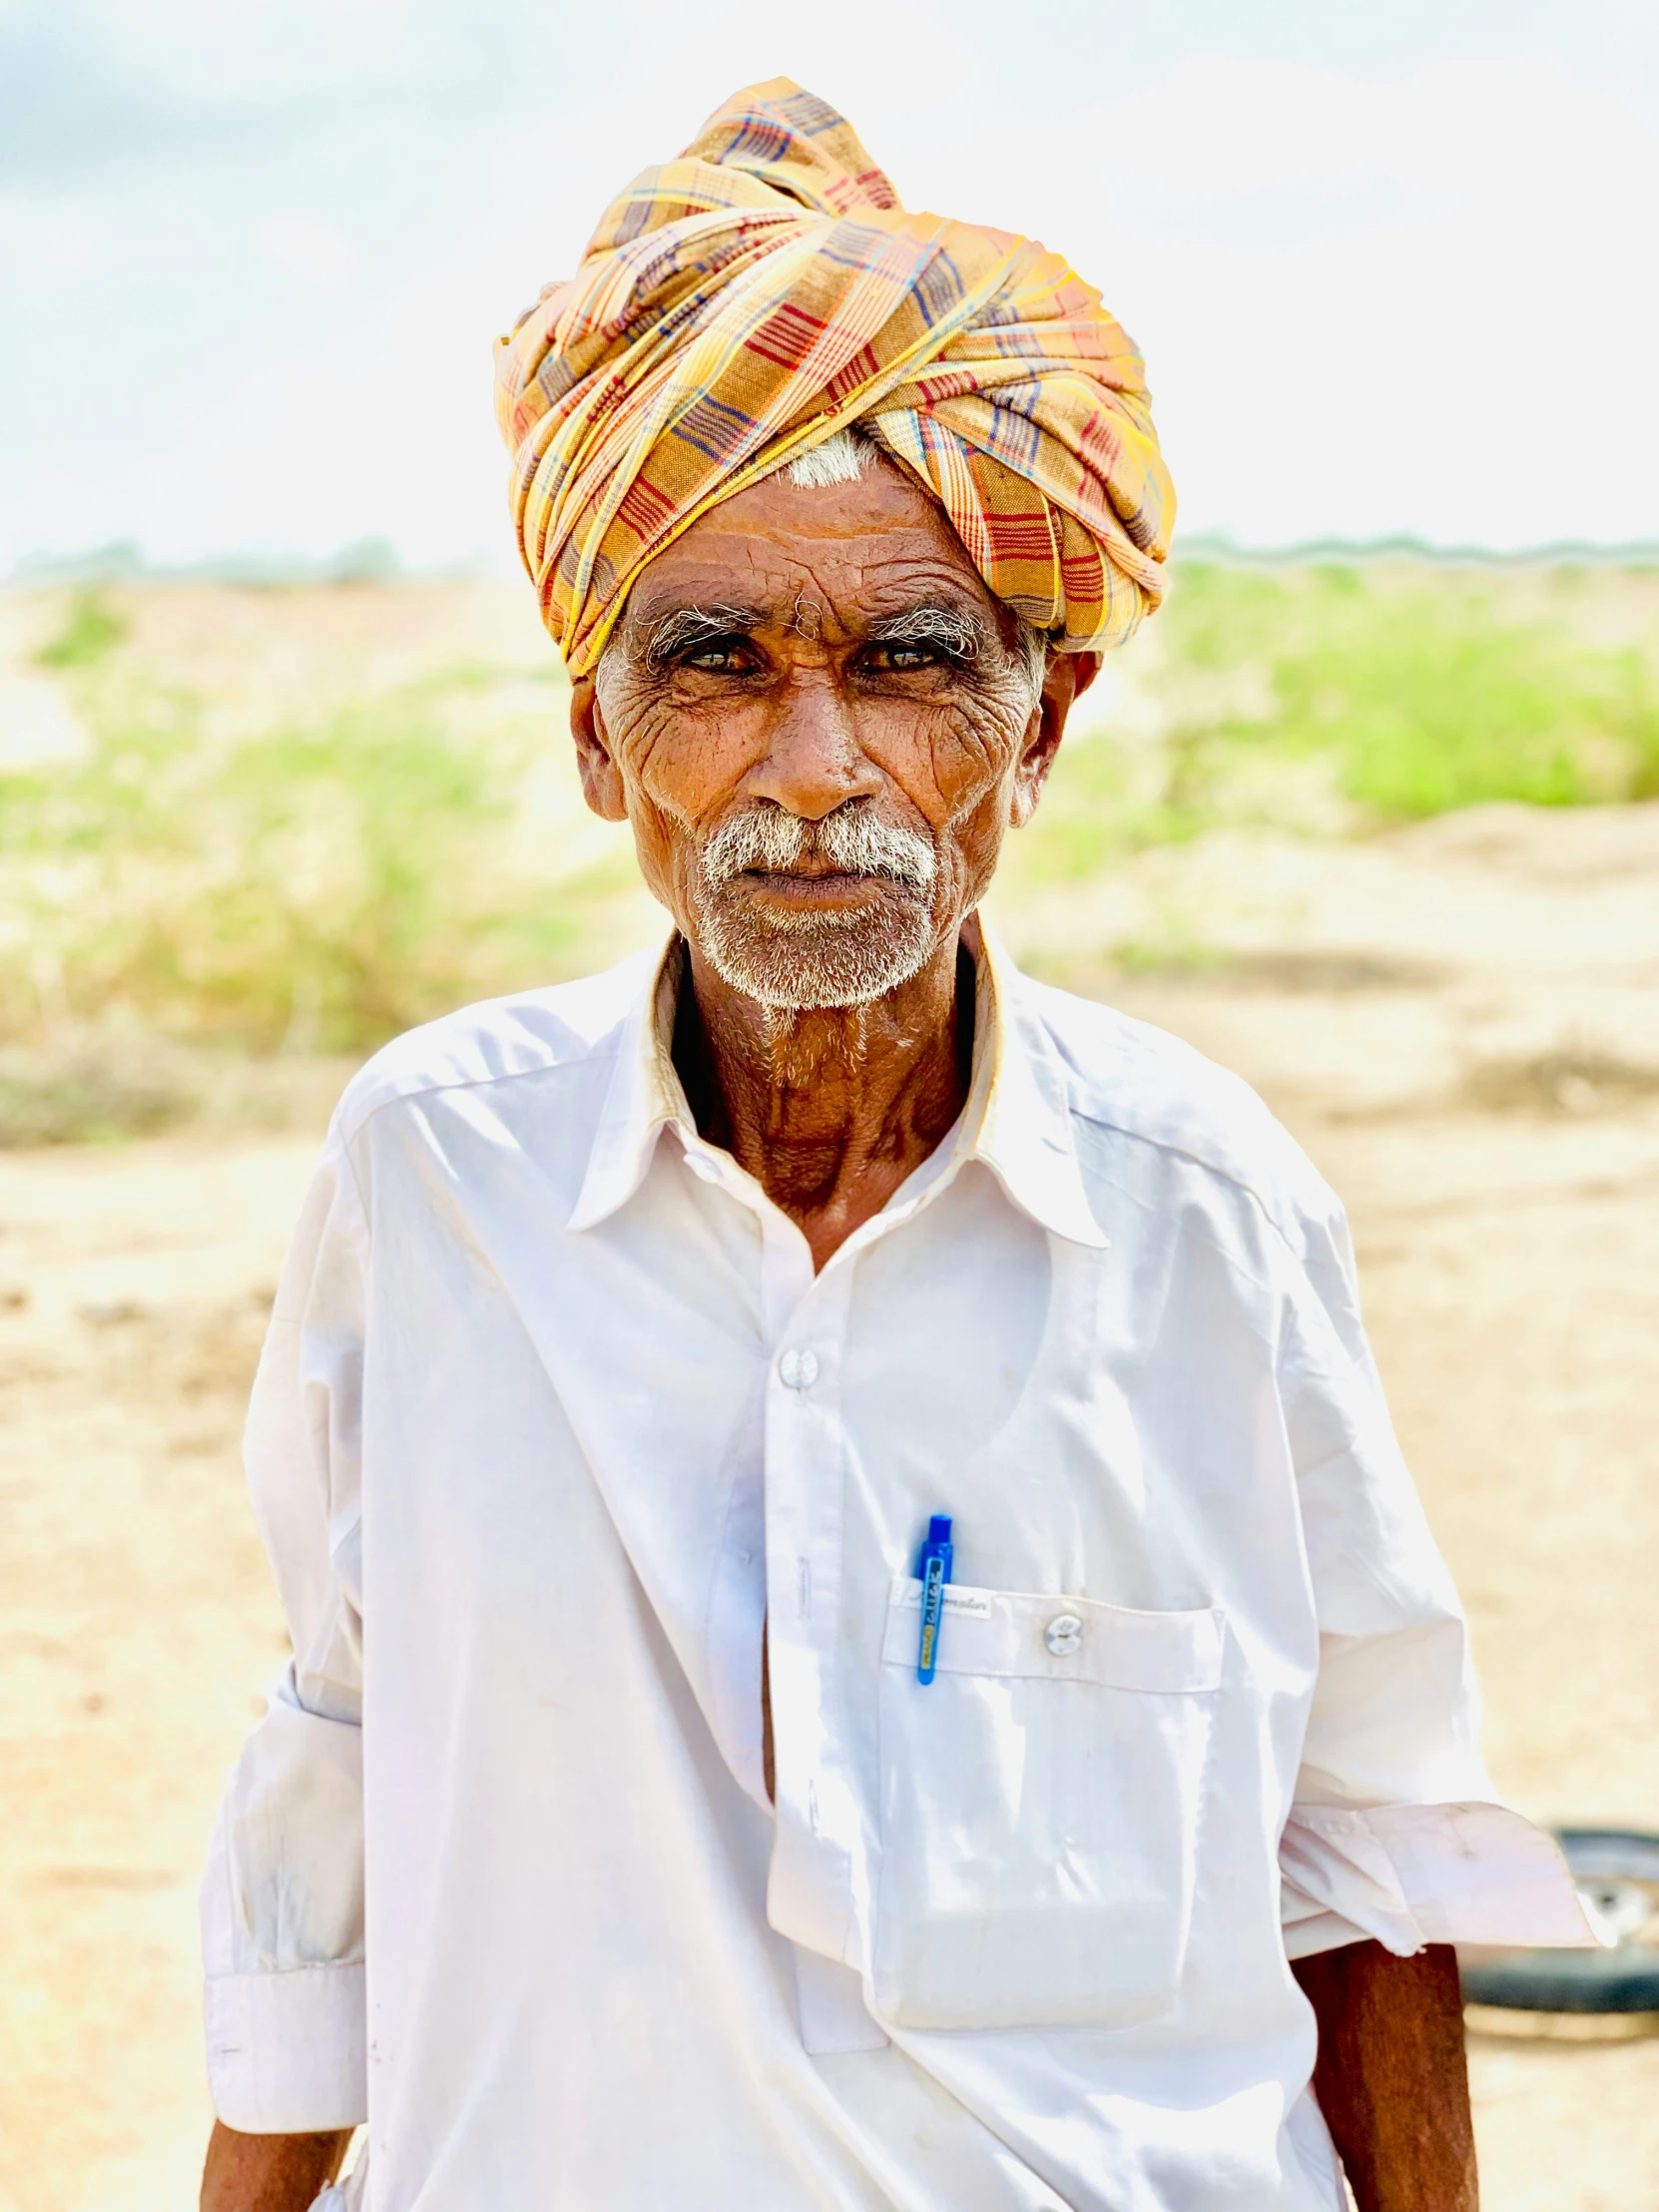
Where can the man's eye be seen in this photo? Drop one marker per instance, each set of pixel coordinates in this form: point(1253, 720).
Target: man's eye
point(899, 659)
point(720, 657)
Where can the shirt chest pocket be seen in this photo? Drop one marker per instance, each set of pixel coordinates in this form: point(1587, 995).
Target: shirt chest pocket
point(1040, 1804)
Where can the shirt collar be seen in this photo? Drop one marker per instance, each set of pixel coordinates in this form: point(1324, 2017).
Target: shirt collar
point(645, 1095)
point(1018, 1121)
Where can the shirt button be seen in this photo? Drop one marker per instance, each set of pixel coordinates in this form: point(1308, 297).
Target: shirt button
point(798, 1369)
point(1064, 1636)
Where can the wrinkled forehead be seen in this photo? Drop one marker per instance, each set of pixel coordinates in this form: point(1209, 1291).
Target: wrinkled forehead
point(820, 559)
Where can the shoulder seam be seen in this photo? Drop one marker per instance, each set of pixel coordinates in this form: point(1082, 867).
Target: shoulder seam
point(349, 1136)
point(1210, 1167)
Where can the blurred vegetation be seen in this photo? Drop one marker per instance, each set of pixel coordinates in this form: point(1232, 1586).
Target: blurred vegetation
point(314, 881)
point(1423, 700)
point(314, 886)
point(1345, 698)
point(92, 627)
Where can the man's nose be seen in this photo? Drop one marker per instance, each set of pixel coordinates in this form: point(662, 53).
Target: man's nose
point(813, 762)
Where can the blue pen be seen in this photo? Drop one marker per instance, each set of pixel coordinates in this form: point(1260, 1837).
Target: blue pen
point(934, 1572)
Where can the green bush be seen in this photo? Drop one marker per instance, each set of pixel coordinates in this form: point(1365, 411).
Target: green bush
point(319, 885)
point(1421, 699)
point(90, 630)
point(1342, 697)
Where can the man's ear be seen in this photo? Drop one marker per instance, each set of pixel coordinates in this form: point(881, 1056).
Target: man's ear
point(601, 778)
point(1069, 677)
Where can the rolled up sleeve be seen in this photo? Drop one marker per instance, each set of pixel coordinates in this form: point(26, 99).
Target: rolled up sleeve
point(1396, 1831)
point(283, 1895)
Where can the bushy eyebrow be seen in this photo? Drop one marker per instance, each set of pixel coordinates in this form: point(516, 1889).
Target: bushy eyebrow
point(954, 630)
point(960, 632)
point(680, 627)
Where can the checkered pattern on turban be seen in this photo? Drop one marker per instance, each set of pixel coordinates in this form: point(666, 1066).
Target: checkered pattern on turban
point(764, 290)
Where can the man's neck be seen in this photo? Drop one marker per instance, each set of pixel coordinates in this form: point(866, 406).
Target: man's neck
point(832, 1108)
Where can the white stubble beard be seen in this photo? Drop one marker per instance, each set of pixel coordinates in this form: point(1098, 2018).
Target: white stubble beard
point(797, 960)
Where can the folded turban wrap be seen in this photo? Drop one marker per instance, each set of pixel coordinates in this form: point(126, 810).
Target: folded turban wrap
point(765, 290)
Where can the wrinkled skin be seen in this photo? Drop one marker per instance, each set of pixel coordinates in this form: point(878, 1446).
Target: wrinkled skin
point(799, 705)
point(801, 709)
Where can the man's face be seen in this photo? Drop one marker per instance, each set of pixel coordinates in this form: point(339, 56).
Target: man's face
point(817, 720)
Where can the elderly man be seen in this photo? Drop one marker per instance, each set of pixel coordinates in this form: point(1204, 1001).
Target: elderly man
point(860, 1638)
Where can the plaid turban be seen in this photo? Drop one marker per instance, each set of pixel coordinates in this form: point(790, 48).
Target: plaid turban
point(745, 302)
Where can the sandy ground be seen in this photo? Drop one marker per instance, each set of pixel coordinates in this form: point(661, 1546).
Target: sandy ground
point(1460, 1023)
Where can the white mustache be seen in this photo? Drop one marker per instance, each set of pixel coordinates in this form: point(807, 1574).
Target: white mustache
point(851, 840)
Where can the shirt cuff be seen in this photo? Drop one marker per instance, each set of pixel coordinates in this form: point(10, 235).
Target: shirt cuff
point(1411, 1875)
point(287, 2051)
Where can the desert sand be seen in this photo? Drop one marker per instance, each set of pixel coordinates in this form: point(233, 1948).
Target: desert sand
point(1458, 1020)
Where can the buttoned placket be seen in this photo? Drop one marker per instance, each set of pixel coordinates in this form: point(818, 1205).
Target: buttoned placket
point(793, 1504)
point(816, 1855)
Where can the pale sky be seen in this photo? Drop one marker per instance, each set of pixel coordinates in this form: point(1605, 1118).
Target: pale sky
point(1393, 262)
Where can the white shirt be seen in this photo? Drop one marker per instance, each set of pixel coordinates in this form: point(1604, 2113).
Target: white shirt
point(554, 1415)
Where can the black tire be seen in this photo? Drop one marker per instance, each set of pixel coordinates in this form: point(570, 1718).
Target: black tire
point(1619, 1870)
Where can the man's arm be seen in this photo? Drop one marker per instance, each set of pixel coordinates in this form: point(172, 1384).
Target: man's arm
point(268, 2173)
point(283, 1892)
point(1391, 2076)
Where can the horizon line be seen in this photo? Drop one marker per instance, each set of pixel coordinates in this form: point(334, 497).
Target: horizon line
point(377, 561)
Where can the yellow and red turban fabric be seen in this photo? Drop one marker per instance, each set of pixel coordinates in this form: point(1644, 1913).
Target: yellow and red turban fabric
point(764, 290)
